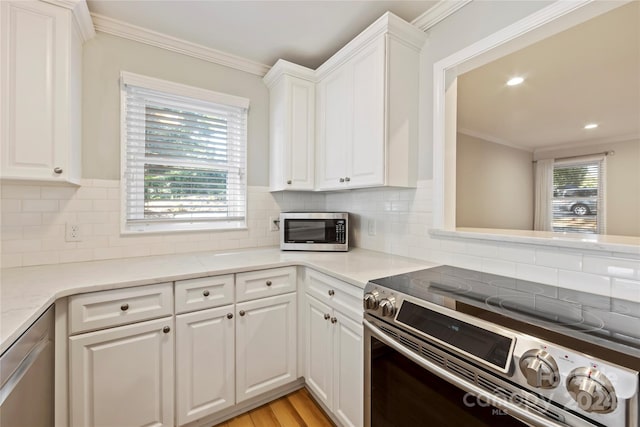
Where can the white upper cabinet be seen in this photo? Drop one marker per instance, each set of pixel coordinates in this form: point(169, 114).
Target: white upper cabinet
point(292, 126)
point(367, 114)
point(41, 56)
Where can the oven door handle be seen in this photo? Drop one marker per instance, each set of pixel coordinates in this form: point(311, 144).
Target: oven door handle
point(510, 408)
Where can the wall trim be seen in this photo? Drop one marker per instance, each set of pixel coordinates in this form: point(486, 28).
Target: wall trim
point(438, 13)
point(491, 138)
point(133, 32)
point(588, 143)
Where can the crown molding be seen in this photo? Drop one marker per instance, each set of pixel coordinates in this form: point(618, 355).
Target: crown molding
point(282, 67)
point(493, 139)
point(387, 23)
point(81, 16)
point(153, 38)
point(437, 13)
point(588, 143)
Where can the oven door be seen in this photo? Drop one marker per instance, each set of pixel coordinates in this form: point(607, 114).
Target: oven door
point(404, 389)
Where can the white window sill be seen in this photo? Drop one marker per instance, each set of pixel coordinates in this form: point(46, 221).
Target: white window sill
point(599, 242)
point(168, 227)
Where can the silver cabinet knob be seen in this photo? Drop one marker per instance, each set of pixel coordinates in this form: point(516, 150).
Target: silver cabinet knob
point(592, 390)
point(124, 307)
point(269, 283)
point(57, 170)
point(331, 292)
point(242, 313)
point(205, 293)
point(347, 179)
point(327, 316)
point(166, 329)
point(229, 315)
point(341, 179)
point(289, 181)
point(540, 369)
point(334, 320)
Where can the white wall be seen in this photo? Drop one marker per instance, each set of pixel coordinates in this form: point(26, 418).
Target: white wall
point(494, 185)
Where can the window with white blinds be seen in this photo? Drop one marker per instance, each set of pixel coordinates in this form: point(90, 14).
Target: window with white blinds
point(578, 195)
point(183, 157)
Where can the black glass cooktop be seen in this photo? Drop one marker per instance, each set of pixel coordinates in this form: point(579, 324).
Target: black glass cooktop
point(575, 319)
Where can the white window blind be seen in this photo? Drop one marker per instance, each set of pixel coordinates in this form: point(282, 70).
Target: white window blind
point(578, 195)
point(184, 164)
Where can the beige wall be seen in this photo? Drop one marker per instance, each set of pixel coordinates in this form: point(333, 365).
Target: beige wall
point(623, 183)
point(494, 185)
point(105, 56)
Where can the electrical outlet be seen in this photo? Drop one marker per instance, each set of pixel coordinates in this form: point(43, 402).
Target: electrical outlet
point(73, 233)
point(371, 225)
point(274, 223)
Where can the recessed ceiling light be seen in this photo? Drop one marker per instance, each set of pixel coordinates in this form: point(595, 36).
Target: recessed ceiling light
point(591, 126)
point(515, 81)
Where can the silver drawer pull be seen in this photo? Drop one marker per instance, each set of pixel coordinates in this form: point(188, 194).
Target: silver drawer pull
point(166, 329)
point(269, 283)
point(341, 179)
point(289, 181)
point(331, 292)
point(347, 179)
point(229, 315)
point(205, 293)
point(124, 307)
point(327, 316)
point(57, 170)
point(334, 320)
point(242, 313)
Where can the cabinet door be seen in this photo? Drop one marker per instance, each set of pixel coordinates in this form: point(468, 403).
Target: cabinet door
point(37, 44)
point(366, 156)
point(348, 371)
point(122, 376)
point(299, 152)
point(319, 349)
point(204, 363)
point(334, 122)
point(265, 345)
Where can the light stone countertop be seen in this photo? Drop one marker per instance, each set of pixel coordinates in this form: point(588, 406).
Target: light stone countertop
point(25, 293)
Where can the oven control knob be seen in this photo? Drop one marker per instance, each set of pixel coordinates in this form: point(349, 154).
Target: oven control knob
point(592, 390)
point(371, 300)
point(388, 307)
point(540, 369)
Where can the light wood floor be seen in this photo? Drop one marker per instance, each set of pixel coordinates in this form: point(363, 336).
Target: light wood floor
point(295, 409)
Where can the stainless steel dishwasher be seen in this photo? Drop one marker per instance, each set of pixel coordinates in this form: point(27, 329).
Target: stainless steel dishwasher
point(27, 377)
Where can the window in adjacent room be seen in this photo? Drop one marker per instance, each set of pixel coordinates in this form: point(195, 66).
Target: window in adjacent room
point(578, 195)
point(183, 157)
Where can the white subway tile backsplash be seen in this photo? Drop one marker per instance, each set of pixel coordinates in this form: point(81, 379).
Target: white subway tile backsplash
point(20, 191)
point(536, 273)
point(557, 259)
point(616, 267)
point(11, 205)
point(625, 289)
point(585, 282)
point(500, 267)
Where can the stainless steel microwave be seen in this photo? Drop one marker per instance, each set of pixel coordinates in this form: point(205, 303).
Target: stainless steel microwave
point(314, 231)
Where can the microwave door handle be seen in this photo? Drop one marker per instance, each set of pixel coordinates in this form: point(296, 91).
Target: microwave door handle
point(513, 410)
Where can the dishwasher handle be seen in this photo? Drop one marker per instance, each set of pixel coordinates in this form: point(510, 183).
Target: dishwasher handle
point(25, 365)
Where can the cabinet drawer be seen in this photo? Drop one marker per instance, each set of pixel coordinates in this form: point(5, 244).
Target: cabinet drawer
point(203, 293)
point(337, 294)
point(264, 283)
point(98, 310)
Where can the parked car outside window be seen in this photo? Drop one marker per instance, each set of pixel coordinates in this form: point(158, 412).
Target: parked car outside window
point(578, 201)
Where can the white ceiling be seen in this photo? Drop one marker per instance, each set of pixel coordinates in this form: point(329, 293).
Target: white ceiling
point(589, 73)
point(303, 32)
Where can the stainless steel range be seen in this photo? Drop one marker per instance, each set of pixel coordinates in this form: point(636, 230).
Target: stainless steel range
point(449, 346)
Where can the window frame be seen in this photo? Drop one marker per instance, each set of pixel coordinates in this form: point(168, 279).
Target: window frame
point(197, 95)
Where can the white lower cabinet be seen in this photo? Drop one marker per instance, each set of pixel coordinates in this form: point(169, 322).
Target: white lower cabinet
point(265, 345)
point(205, 362)
point(123, 376)
point(334, 365)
